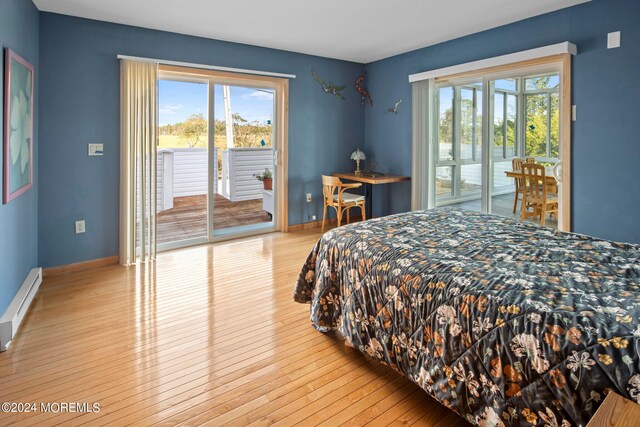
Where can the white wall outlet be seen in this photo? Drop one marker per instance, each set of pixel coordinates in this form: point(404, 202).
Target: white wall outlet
point(574, 113)
point(308, 197)
point(80, 226)
point(96, 149)
point(613, 40)
point(313, 217)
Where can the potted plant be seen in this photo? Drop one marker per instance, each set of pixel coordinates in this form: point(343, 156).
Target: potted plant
point(266, 177)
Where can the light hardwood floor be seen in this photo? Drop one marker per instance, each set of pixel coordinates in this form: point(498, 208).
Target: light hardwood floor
point(207, 335)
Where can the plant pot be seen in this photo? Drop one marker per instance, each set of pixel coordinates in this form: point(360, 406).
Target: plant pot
point(268, 183)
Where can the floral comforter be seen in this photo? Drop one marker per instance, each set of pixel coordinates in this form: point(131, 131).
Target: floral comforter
point(504, 322)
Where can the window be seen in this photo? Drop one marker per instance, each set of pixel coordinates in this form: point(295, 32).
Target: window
point(445, 123)
point(542, 120)
point(505, 117)
point(524, 122)
point(459, 142)
point(471, 120)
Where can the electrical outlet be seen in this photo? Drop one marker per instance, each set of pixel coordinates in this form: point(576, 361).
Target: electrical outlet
point(80, 227)
point(313, 217)
point(308, 197)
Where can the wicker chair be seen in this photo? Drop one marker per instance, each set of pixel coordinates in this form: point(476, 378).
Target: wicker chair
point(335, 196)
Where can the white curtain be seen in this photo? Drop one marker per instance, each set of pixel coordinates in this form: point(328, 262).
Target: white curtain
point(423, 160)
point(138, 139)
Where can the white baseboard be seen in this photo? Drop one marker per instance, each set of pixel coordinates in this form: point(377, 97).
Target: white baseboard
point(16, 311)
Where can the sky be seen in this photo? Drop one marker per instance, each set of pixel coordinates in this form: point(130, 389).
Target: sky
point(179, 100)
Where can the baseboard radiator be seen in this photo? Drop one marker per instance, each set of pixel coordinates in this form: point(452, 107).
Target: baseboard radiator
point(18, 308)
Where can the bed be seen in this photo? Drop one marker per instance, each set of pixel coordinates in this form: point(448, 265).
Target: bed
point(504, 322)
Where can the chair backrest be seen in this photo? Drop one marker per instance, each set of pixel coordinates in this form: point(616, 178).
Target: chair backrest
point(517, 163)
point(329, 186)
point(534, 186)
point(530, 160)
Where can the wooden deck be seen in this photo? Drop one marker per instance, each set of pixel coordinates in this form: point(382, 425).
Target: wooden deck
point(208, 335)
point(188, 218)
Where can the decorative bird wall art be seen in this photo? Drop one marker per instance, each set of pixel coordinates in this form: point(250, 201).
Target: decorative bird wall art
point(361, 88)
point(329, 88)
point(394, 109)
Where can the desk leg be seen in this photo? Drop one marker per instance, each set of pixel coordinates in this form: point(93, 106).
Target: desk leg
point(368, 193)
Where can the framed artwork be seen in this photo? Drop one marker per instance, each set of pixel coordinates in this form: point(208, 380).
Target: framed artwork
point(18, 126)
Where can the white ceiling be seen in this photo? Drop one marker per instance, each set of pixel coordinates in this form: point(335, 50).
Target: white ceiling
point(360, 31)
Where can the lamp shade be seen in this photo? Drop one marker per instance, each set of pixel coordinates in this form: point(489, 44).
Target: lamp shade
point(358, 155)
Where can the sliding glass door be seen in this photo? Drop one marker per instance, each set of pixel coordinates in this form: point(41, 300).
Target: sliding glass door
point(482, 125)
point(217, 163)
point(183, 160)
point(245, 167)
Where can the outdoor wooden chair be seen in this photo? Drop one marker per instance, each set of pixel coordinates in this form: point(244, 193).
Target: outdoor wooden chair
point(335, 196)
point(536, 202)
point(530, 160)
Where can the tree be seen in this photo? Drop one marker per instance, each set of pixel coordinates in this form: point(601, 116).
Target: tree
point(537, 110)
point(536, 121)
point(193, 130)
point(499, 124)
point(249, 134)
point(466, 127)
point(169, 129)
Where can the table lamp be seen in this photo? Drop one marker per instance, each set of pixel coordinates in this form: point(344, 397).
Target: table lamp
point(357, 156)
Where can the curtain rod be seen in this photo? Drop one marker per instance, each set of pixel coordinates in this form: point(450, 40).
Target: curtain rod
point(208, 67)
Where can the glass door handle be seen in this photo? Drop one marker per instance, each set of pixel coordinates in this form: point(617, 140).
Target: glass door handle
point(276, 158)
point(557, 172)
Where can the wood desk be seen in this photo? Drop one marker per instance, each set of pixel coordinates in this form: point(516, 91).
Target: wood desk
point(550, 180)
point(368, 182)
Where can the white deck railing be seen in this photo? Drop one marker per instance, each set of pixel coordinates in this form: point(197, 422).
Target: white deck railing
point(184, 172)
point(238, 167)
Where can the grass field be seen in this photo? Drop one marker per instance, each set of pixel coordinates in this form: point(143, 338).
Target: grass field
point(175, 141)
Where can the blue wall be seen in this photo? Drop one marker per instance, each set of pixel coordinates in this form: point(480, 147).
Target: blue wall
point(79, 94)
point(80, 98)
point(606, 90)
point(19, 218)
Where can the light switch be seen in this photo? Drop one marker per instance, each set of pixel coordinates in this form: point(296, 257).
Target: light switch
point(613, 40)
point(96, 149)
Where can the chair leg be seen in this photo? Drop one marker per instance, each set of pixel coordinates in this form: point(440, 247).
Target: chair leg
point(543, 214)
point(339, 215)
point(515, 202)
point(348, 218)
point(324, 216)
point(364, 215)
